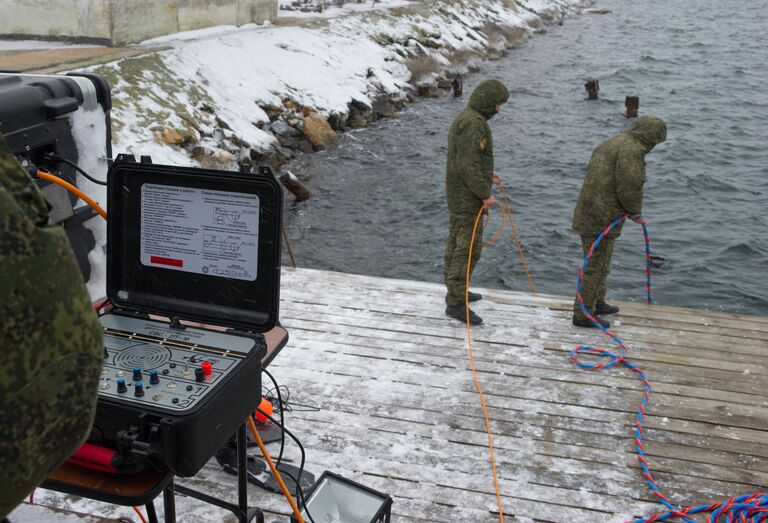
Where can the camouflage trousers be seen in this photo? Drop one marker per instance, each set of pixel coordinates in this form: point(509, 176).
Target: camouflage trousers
point(594, 280)
point(457, 254)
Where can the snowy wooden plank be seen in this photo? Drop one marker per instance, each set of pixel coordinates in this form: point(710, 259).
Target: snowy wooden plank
point(382, 392)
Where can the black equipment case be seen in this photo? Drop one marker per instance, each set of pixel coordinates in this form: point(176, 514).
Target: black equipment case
point(193, 277)
point(36, 118)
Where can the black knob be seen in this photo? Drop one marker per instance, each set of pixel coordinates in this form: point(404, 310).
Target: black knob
point(154, 379)
point(136, 374)
point(138, 389)
point(199, 374)
point(121, 387)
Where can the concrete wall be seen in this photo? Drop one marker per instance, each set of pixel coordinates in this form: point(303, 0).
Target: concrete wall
point(122, 22)
point(57, 18)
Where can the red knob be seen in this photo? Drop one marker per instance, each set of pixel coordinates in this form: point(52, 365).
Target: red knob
point(207, 368)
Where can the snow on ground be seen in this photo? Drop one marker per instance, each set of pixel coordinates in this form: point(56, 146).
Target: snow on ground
point(323, 66)
point(330, 9)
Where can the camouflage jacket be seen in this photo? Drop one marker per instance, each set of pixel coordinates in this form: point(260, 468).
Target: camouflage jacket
point(616, 176)
point(50, 340)
point(470, 150)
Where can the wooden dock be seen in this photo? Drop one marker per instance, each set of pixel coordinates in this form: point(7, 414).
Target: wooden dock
point(382, 393)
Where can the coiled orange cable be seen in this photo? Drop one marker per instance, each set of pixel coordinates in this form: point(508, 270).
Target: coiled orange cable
point(517, 238)
point(474, 371)
point(506, 213)
point(74, 190)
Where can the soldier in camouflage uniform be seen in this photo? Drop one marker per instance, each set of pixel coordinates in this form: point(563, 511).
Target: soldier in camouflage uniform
point(50, 340)
point(613, 186)
point(468, 181)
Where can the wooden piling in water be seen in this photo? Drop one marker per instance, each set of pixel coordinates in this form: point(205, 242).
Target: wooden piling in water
point(593, 89)
point(632, 103)
point(298, 189)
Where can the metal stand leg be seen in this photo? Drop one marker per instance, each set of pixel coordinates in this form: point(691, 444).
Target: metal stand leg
point(241, 510)
point(169, 503)
point(151, 514)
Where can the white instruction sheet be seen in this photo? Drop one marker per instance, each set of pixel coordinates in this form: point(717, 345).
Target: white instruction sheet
point(200, 230)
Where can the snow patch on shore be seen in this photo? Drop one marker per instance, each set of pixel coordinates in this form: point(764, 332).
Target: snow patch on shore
point(323, 66)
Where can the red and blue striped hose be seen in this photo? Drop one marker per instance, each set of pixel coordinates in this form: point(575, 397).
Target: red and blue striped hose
point(748, 508)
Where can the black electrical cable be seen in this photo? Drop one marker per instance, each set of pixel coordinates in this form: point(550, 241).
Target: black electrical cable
point(76, 167)
point(288, 405)
point(280, 407)
point(300, 495)
point(301, 449)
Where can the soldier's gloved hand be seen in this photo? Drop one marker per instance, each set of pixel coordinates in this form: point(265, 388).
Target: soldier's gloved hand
point(491, 200)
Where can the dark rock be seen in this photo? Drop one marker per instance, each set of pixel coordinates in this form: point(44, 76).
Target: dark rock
point(336, 121)
point(281, 128)
point(443, 83)
point(357, 105)
point(359, 114)
point(284, 152)
point(273, 112)
point(382, 107)
point(256, 156)
point(291, 142)
point(356, 123)
point(427, 91)
point(305, 146)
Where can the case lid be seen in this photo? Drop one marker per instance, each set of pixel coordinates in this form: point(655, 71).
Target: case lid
point(194, 244)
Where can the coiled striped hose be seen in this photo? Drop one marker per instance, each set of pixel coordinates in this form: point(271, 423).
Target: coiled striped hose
point(748, 508)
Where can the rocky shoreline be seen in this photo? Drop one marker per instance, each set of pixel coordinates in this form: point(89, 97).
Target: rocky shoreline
point(442, 41)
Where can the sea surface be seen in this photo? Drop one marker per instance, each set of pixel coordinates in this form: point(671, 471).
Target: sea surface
point(379, 206)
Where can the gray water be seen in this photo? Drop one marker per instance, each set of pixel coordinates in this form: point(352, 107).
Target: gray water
point(378, 205)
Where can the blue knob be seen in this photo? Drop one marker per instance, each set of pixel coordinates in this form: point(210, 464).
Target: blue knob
point(121, 387)
point(154, 379)
point(137, 374)
point(138, 389)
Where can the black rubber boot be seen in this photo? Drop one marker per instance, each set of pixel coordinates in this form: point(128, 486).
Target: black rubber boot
point(603, 309)
point(459, 312)
point(587, 323)
point(475, 296)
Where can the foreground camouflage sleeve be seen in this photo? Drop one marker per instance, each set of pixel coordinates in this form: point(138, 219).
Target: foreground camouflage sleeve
point(50, 340)
point(473, 148)
point(630, 179)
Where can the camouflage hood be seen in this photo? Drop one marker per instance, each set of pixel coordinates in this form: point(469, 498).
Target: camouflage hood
point(650, 130)
point(487, 96)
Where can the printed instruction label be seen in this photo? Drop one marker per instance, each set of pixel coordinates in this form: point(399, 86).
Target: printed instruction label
point(200, 230)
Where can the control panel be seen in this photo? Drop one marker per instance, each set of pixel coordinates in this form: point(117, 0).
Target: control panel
point(148, 362)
